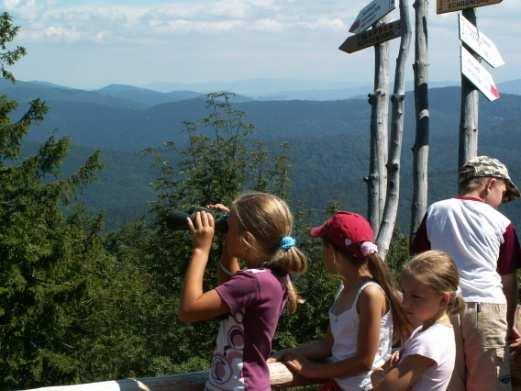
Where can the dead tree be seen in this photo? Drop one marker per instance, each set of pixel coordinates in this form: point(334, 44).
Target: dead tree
point(469, 117)
point(397, 122)
point(379, 101)
point(421, 99)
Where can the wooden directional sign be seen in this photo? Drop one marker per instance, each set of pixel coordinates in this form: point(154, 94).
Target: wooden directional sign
point(479, 42)
point(478, 75)
point(376, 35)
point(444, 6)
point(371, 13)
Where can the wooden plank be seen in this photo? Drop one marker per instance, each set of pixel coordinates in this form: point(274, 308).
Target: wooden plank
point(444, 6)
point(372, 37)
point(280, 377)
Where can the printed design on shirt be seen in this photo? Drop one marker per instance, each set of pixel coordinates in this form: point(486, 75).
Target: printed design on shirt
point(227, 361)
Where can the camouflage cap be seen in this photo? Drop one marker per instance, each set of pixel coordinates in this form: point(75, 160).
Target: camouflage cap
point(484, 166)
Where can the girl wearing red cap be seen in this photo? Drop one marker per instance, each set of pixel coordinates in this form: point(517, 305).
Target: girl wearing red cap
point(365, 315)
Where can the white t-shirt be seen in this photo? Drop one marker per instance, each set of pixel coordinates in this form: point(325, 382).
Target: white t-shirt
point(438, 344)
point(471, 232)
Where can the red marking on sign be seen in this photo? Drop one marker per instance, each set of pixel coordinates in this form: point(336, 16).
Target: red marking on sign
point(495, 91)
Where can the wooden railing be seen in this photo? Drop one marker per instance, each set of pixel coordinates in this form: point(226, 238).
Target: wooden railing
point(280, 377)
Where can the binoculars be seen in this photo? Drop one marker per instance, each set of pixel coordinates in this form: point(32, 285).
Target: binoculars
point(176, 220)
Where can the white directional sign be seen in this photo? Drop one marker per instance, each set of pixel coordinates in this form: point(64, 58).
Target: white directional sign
point(479, 42)
point(478, 75)
point(371, 13)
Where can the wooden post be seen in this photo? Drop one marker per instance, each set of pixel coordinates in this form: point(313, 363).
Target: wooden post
point(469, 118)
point(397, 122)
point(421, 99)
point(379, 101)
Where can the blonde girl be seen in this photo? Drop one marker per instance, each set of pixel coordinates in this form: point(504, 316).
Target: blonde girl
point(429, 283)
point(361, 319)
point(259, 233)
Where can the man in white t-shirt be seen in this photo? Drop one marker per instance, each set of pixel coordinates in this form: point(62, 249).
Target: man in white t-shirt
point(484, 245)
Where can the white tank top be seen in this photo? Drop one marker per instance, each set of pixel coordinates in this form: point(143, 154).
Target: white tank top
point(344, 328)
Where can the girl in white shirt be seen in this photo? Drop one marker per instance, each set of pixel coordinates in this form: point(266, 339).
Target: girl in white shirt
point(362, 318)
point(429, 283)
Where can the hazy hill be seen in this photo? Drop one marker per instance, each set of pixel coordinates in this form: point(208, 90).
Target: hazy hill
point(510, 87)
point(329, 145)
point(25, 91)
point(145, 97)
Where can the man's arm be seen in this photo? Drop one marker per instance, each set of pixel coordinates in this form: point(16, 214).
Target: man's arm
point(508, 263)
point(510, 290)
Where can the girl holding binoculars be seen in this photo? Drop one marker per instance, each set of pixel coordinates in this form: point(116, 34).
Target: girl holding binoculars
point(259, 233)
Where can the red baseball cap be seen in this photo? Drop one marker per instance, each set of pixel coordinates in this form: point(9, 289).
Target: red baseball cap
point(347, 231)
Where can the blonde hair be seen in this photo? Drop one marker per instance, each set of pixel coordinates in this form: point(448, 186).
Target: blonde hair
point(437, 270)
point(268, 219)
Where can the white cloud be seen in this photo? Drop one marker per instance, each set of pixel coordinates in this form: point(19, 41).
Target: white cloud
point(138, 22)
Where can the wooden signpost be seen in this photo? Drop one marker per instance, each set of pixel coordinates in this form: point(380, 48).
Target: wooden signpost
point(372, 37)
point(444, 6)
point(372, 18)
point(479, 42)
point(371, 14)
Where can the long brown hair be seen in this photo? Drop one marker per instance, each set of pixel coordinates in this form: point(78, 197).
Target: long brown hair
point(268, 219)
point(437, 270)
point(382, 275)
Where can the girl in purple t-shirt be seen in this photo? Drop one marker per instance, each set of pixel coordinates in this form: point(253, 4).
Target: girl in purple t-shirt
point(259, 233)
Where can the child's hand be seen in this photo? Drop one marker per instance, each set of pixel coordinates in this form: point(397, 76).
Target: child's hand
point(202, 228)
point(377, 376)
point(278, 355)
point(301, 365)
point(392, 361)
point(220, 207)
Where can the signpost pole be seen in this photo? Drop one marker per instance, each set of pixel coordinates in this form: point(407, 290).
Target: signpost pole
point(420, 150)
point(379, 101)
point(469, 116)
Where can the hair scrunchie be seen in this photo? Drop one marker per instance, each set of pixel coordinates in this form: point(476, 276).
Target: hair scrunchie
point(287, 242)
point(368, 248)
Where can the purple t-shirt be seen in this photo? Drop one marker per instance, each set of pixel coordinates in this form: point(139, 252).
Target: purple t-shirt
point(256, 298)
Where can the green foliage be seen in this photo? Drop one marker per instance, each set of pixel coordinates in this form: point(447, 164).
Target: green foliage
point(8, 57)
point(221, 159)
point(56, 295)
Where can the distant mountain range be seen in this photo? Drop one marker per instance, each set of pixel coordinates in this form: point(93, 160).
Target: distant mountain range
point(510, 87)
point(329, 141)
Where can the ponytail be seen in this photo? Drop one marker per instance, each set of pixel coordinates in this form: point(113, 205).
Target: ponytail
point(381, 274)
point(455, 305)
point(282, 264)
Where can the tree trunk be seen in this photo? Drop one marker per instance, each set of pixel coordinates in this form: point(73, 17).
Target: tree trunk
point(397, 121)
point(377, 183)
point(468, 130)
point(421, 98)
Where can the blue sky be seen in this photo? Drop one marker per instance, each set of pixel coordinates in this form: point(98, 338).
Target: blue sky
point(91, 43)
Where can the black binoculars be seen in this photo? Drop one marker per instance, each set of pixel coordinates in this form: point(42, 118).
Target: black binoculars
point(176, 220)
